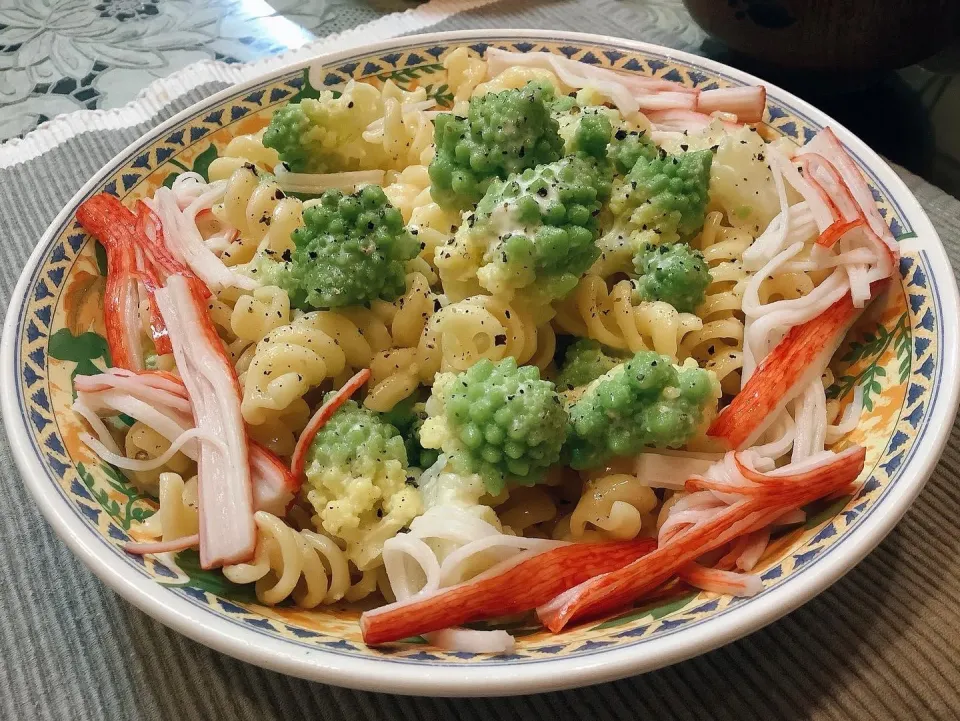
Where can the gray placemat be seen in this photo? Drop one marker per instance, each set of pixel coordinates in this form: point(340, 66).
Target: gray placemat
point(881, 643)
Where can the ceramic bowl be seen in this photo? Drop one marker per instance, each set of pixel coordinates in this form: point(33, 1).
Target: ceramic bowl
point(903, 352)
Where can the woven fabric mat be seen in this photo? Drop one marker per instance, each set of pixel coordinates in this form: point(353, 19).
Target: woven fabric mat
point(882, 643)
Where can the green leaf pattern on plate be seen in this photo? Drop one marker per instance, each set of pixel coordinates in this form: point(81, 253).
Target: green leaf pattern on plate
point(872, 347)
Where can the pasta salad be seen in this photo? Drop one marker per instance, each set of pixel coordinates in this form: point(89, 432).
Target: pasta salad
point(550, 346)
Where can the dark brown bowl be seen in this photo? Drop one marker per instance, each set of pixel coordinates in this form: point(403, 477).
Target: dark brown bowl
point(834, 35)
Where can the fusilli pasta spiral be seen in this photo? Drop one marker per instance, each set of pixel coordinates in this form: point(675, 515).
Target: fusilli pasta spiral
point(718, 345)
point(294, 358)
point(177, 515)
point(306, 565)
point(612, 317)
point(262, 214)
point(482, 326)
point(143, 443)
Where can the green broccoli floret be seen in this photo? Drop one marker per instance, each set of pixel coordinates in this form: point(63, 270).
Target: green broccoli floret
point(627, 147)
point(357, 481)
point(647, 401)
point(351, 249)
point(325, 134)
point(407, 417)
point(661, 200)
point(504, 133)
point(498, 420)
point(535, 231)
point(592, 135)
point(675, 273)
point(584, 362)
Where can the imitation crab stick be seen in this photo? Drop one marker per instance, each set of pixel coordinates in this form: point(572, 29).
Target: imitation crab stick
point(836, 230)
point(829, 146)
point(779, 377)
point(747, 103)
point(105, 218)
point(274, 487)
point(227, 530)
point(319, 420)
point(719, 581)
point(616, 589)
point(519, 588)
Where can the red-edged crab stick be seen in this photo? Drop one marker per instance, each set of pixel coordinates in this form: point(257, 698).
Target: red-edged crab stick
point(520, 588)
point(616, 589)
point(105, 218)
point(227, 530)
point(111, 392)
point(785, 371)
point(319, 420)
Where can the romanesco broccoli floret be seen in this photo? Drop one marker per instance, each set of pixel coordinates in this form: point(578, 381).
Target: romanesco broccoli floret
point(627, 147)
point(503, 133)
point(646, 401)
point(676, 274)
point(584, 362)
point(356, 474)
point(407, 417)
point(535, 231)
point(661, 200)
point(498, 420)
point(325, 134)
point(351, 249)
point(592, 135)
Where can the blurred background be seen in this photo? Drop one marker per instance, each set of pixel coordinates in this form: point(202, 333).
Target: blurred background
point(886, 68)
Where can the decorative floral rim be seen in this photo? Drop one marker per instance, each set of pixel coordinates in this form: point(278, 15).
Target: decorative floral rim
point(614, 648)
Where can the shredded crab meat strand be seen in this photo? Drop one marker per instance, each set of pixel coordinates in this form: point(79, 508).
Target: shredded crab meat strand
point(154, 547)
point(227, 530)
point(782, 432)
point(627, 94)
point(747, 102)
point(810, 417)
point(132, 464)
point(169, 424)
point(514, 586)
point(452, 568)
point(107, 219)
point(849, 420)
point(183, 240)
point(98, 426)
point(821, 211)
point(319, 420)
point(612, 590)
point(274, 488)
point(829, 146)
point(723, 582)
point(756, 544)
point(317, 183)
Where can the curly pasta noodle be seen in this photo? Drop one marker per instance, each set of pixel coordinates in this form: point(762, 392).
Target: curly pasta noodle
point(143, 443)
point(404, 132)
point(482, 326)
point(409, 192)
point(611, 317)
point(177, 515)
point(465, 71)
point(395, 373)
point(240, 151)
point(526, 508)
point(613, 506)
point(262, 214)
point(718, 345)
point(306, 565)
point(299, 356)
